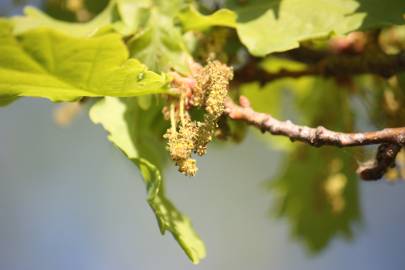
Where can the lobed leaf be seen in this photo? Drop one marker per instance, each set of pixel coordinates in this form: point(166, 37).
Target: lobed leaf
point(317, 193)
point(268, 26)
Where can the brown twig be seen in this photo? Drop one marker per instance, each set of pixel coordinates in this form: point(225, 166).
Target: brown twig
point(314, 136)
point(391, 139)
point(253, 72)
point(333, 65)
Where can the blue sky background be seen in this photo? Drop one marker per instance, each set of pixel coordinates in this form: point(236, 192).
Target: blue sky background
point(69, 200)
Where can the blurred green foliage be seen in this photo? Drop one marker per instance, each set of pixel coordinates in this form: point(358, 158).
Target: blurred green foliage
point(85, 48)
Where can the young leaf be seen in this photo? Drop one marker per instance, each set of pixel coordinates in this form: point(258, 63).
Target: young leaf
point(48, 64)
point(135, 14)
point(157, 41)
point(160, 45)
point(131, 130)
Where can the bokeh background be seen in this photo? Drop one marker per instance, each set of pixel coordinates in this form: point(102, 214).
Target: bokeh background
point(70, 200)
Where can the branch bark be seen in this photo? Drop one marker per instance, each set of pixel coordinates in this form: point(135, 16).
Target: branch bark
point(335, 65)
point(391, 139)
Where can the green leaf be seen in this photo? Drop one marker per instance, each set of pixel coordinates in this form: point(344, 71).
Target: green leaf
point(316, 188)
point(168, 217)
point(283, 27)
point(132, 16)
point(381, 13)
point(193, 20)
point(170, 8)
point(160, 45)
point(133, 130)
point(250, 10)
point(4, 101)
point(49, 64)
point(267, 26)
point(135, 13)
point(34, 18)
point(157, 41)
point(317, 193)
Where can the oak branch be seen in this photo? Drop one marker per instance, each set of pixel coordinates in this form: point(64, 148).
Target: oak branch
point(391, 140)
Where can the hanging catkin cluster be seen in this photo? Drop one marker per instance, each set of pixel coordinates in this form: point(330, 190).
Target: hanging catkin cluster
point(209, 93)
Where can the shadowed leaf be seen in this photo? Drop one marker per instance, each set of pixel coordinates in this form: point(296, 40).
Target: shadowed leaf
point(316, 189)
point(135, 133)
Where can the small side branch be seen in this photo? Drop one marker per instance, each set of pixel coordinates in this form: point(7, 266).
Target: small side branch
point(384, 160)
point(391, 139)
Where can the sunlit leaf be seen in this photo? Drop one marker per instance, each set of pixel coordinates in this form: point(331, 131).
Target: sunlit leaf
point(275, 26)
point(49, 64)
point(283, 26)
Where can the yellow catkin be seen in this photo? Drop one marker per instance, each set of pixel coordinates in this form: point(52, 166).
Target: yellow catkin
point(219, 75)
point(181, 145)
point(199, 91)
point(188, 166)
point(212, 83)
point(205, 133)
